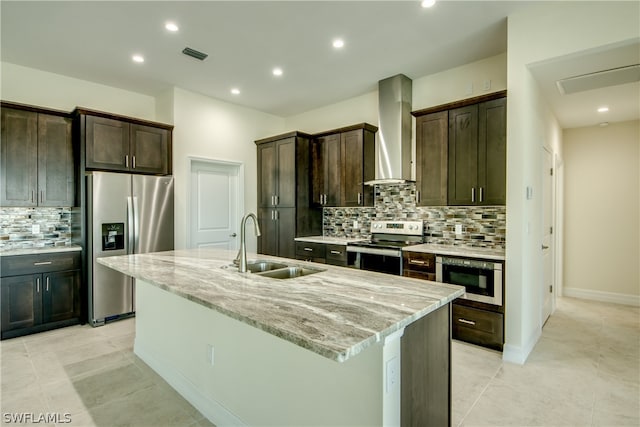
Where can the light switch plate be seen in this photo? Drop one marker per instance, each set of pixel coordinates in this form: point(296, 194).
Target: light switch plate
point(458, 229)
point(35, 229)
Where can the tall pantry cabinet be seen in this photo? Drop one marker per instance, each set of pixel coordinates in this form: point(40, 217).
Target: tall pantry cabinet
point(283, 193)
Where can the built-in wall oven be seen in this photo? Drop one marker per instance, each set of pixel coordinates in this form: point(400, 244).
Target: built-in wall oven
point(481, 278)
point(383, 252)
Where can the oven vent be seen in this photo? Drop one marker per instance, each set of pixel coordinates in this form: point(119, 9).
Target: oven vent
point(194, 53)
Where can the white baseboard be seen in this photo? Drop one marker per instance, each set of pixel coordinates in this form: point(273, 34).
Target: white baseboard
point(211, 409)
point(616, 298)
point(518, 354)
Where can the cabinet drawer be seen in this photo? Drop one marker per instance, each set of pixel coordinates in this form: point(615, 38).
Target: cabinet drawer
point(41, 263)
point(478, 326)
point(419, 275)
point(310, 250)
point(419, 262)
point(336, 254)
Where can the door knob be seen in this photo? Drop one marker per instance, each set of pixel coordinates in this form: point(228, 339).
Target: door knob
point(233, 235)
point(545, 247)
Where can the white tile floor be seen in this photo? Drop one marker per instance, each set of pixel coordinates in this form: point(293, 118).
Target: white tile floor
point(584, 371)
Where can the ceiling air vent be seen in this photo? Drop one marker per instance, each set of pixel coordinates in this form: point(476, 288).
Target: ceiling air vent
point(194, 53)
point(600, 79)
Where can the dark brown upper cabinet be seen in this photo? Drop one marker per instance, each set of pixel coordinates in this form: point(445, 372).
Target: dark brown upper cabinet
point(461, 152)
point(122, 144)
point(37, 158)
point(283, 193)
point(343, 159)
point(477, 154)
point(432, 142)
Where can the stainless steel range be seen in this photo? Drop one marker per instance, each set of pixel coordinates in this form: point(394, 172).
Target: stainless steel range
point(383, 252)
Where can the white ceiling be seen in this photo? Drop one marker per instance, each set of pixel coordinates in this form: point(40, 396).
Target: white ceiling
point(94, 40)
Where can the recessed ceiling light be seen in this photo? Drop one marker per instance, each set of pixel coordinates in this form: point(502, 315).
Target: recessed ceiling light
point(428, 3)
point(338, 43)
point(277, 71)
point(603, 109)
point(235, 91)
point(138, 58)
point(171, 26)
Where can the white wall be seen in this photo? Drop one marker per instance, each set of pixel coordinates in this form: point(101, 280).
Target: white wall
point(544, 31)
point(602, 212)
point(428, 91)
point(43, 89)
point(212, 129)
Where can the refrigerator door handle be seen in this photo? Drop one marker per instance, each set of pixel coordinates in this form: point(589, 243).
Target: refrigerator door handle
point(130, 224)
point(136, 226)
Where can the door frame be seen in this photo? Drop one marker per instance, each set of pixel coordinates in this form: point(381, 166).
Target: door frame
point(212, 162)
point(553, 241)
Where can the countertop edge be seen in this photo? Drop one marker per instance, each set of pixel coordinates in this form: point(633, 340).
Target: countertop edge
point(40, 251)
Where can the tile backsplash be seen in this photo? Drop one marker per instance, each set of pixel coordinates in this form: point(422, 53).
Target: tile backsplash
point(34, 227)
point(482, 226)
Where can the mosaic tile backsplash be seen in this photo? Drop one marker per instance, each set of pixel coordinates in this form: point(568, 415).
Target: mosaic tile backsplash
point(482, 226)
point(34, 227)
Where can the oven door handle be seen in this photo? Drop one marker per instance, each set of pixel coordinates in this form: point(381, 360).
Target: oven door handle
point(375, 251)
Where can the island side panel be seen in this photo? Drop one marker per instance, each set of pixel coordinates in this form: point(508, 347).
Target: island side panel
point(256, 378)
point(426, 371)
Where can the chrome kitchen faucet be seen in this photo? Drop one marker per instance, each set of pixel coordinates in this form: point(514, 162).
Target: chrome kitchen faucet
point(241, 259)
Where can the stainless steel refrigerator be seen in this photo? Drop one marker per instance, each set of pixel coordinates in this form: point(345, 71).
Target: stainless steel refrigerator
point(127, 214)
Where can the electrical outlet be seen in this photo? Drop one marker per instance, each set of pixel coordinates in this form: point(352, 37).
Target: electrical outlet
point(355, 224)
point(458, 229)
point(487, 85)
point(469, 88)
point(393, 373)
point(210, 354)
point(35, 229)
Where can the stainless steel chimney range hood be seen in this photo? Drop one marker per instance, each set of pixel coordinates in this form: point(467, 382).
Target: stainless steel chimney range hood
point(393, 156)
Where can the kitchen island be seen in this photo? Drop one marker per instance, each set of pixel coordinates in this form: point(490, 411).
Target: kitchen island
point(338, 347)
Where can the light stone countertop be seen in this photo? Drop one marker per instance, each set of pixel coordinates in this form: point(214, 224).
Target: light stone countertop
point(328, 240)
point(461, 251)
point(336, 313)
point(40, 250)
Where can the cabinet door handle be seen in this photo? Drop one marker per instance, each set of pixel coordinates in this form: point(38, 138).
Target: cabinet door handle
point(481, 193)
point(277, 200)
point(271, 215)
point(38, 285)
point(417, 261)
point(32, 196)
point(308, 249)
point(47, 284)
point(276, 215)
point(359, 198)
point(336, 252)
point(271, 200)
point(126, 160)
point(473, 194)
point(325, 199)
point(133, 162)
point(418, 196)
point(43, 263)
point(41, 196)
point(467, 322)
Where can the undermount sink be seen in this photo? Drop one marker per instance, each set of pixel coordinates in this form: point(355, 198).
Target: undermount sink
point(260, 266)
point(290, 272)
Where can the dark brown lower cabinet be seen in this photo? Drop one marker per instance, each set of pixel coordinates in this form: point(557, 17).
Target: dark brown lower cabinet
point(277, 228)
point(426, 371)
point(478, 326)
point(39, 301)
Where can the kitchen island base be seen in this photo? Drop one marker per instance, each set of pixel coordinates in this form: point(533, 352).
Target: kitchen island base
point(237, 374)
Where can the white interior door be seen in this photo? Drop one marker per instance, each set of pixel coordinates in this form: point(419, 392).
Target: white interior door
point(215, 199)
point(548, 285)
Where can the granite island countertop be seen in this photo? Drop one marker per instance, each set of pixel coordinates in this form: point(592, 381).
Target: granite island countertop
point(336, 313)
